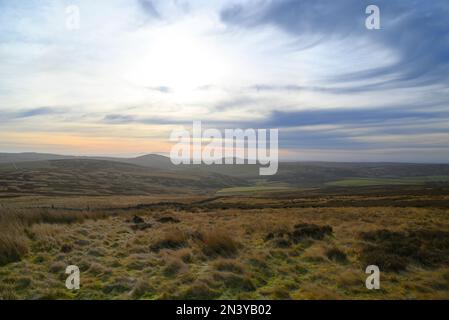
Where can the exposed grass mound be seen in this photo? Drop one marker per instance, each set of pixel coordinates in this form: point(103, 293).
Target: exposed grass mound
point(218, 243)
point(394, 251)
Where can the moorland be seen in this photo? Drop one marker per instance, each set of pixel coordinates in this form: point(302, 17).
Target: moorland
point(143, 229)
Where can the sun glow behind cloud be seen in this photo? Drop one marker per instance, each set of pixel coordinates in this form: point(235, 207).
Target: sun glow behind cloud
point(177, 60)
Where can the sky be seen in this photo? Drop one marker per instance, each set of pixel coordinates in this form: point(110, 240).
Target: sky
point(134, 70)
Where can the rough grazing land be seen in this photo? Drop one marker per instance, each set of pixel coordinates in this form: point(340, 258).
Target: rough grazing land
point(274, 246)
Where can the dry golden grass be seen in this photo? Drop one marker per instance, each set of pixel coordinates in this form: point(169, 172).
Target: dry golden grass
point(217, 243)
point(215, 253)
point(13, 242)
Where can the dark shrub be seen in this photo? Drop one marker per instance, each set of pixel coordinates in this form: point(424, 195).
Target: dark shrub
point(393, 251)
point(66, 248)
point(282, 243)
point(137, 220)
point(168, 220)
point(141, 226)
point(306, 230)
point(336, 255)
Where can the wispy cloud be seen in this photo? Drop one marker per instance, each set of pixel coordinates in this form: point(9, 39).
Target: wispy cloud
point(308, 67)
point(6, 115)
point(148, 7)
point(416, 31)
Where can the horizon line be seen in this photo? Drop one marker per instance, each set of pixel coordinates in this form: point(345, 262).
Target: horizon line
point(115, 156)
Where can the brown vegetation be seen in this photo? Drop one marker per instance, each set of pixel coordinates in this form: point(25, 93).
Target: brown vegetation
point(276, 251)
point(394, 251)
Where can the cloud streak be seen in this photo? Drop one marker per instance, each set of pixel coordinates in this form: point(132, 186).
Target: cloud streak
point(417, 31)
point(307, 67)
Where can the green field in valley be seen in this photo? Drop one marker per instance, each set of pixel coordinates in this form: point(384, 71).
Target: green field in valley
point(261, 188)
point(358, 182)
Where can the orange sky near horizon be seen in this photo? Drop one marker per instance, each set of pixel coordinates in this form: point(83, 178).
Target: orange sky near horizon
point(81, 145)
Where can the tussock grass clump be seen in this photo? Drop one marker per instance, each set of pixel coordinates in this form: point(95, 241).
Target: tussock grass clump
point(57, 266)
point(185, 255)
point(141, 288)
point(234, 281)
point(230, 265)
point(137, 262)
point(18, 227)
point(48, 216)
point(198, 291)
point(279, 293)
point(98, 269)
point(316, 253)
point(13, 242)
point(119, 285)
point(173, 267)
point(46, 236)
point(218, 243)
point(173, 239)
point(51, 217)
point(12, 248)
point(258, 262)
point(350, 278)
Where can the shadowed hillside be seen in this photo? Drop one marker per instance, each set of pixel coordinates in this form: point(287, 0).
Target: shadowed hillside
point(22, 174)
point(99, 177)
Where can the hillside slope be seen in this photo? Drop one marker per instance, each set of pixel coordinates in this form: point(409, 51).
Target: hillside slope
point(99, 177)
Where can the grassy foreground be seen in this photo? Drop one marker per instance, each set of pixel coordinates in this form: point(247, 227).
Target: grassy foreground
point(222, 248)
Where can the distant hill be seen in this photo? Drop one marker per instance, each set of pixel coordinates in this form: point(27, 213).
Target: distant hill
point(30, 156)
point(318, 173)
point(153, 161)
point(101, 177)
point(35, 173)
